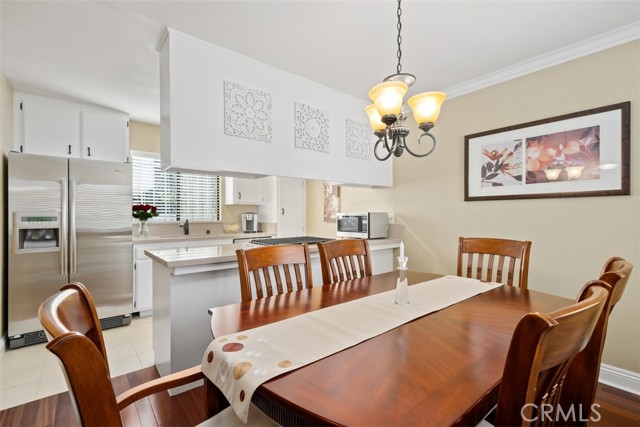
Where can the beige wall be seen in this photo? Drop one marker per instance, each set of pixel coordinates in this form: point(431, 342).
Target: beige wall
point(146, 137)
point(6, 140)
point(572, 237)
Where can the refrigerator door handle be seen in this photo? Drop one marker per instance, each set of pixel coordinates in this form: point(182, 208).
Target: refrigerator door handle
point(72, 226)
point(64, 232)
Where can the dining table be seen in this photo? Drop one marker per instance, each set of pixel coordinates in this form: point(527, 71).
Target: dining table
point(441, 369)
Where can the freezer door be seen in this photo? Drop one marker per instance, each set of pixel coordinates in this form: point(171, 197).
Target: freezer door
point(36, 186)
point(100, 242)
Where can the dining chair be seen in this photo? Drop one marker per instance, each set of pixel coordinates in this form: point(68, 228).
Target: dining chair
point(344, 259)
point(582, 377)
point(481, 254)
point(70, 319)
point(270, 263)
point(541, 351)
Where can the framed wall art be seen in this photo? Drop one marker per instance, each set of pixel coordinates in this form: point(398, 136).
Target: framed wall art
point(573, 155)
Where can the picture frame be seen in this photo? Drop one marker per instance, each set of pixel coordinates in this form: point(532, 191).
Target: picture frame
point(580, 154)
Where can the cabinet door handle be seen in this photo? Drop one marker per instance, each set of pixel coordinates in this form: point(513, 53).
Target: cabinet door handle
point(239, 195)
point(282, 211)
point(88, 151)
point(69, 148)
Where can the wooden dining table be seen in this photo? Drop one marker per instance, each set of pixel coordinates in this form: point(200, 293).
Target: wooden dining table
point(441, 369)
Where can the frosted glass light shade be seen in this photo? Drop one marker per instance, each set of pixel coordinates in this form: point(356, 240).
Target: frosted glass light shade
point(426, 106)
point(374, 117)
point(387, 97)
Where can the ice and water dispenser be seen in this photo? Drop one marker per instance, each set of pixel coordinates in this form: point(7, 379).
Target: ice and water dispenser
point(36, 232)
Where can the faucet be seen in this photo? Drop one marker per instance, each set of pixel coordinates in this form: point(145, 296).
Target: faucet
point(185, 227)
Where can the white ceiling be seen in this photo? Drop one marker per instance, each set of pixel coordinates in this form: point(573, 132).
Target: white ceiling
point(104, 52)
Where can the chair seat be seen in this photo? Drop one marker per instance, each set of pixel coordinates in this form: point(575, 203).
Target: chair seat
point(228, 418)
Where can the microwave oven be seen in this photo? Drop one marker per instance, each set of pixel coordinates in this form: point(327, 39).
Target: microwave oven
point(367, 225)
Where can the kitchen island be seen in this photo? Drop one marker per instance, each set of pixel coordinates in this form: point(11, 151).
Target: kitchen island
point(189, 280)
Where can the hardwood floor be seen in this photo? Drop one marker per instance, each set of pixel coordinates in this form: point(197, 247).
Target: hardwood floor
point(617, 408)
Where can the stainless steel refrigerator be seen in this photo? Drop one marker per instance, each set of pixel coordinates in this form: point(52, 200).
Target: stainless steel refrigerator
point(69, 220)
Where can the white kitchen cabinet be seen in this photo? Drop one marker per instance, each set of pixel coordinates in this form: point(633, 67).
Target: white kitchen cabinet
point(243, 191)
point(105, 136)
point(53, 127)
point(45, 126)
point(285, 205)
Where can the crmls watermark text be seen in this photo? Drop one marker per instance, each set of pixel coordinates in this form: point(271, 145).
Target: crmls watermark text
point(549, 412)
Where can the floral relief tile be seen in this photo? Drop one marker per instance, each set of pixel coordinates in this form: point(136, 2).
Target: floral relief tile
point(311, 128)
point(247, 112)
point(358, 139)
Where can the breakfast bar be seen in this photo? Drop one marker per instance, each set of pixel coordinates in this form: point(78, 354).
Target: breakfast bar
point(189, 280)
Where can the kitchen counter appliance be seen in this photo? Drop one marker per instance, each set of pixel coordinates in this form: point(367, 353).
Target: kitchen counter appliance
point(366, 225)
point(249, 222)
point(289, 240)
point(69, 220)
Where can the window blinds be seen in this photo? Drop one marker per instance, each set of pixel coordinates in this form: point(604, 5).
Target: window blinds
point(178, 196)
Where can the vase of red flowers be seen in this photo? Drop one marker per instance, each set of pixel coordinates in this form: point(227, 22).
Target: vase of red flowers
point(142, 213)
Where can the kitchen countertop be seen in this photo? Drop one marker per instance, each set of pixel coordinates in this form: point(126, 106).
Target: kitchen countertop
point(186, 256)
point(194, 237)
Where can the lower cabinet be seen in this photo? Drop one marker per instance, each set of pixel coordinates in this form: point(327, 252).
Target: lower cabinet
point(142, 282)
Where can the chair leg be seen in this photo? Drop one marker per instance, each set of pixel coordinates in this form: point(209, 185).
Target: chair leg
point(215, 400)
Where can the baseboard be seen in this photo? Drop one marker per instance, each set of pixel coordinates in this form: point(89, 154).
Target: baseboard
point(3, 343)
point(620, 378)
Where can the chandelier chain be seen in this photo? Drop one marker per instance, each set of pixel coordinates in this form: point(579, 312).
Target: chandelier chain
point(399, 26)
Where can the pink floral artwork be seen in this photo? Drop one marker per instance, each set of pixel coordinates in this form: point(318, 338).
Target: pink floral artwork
point(564, 156)
point(501, 164)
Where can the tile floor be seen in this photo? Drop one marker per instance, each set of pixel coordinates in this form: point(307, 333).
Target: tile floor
point(32, 372)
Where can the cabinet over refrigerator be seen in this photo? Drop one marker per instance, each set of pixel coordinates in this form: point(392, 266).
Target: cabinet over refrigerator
point(69, 220)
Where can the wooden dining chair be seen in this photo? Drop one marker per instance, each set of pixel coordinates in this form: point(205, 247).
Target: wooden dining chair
point(269, 264)
point(486, 257)
point(582, 377)
point(541, 351)
point(69, 317)
point(344, 259)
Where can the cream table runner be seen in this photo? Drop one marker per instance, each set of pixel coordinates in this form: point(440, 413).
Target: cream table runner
point(238, 363)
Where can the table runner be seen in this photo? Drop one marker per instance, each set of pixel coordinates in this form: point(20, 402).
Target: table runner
point(239, 363)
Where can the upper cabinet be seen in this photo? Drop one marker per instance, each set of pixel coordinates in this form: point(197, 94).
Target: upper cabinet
point(52, 127)
point(242, 191)
point(230, 115)
point(285, 205)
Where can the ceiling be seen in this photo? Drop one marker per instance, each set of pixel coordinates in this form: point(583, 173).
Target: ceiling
point(105, 52)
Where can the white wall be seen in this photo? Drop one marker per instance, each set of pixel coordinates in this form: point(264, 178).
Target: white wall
point(6, 141)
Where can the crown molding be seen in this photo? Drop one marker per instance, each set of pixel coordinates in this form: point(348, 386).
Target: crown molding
point(577, 50)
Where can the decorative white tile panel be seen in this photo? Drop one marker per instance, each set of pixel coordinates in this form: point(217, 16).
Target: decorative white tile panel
point(247, 112)
point(358, 139)
point(311, 128)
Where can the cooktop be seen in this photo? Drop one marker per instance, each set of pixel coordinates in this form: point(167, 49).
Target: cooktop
point(288, 240)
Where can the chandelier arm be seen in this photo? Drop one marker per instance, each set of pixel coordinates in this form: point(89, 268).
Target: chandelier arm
point(388, 134)
point(375, 150)
point(433, 139)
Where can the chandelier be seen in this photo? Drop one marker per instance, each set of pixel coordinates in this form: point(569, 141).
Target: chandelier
point(387, 117)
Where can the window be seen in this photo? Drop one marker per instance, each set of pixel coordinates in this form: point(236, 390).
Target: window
point(178, 196)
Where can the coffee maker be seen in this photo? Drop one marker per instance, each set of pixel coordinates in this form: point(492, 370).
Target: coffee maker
point(249, 222)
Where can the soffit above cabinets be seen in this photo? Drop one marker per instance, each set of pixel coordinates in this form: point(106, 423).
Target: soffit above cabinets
point(225, 113)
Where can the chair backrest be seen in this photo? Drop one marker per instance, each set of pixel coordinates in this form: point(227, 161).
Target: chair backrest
point(344, 260)
point(270, 263)
point(70, 318)
point(73, 309)
point(582, 377)
point(87, 376)
point(481, 254)
point(542, 349)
